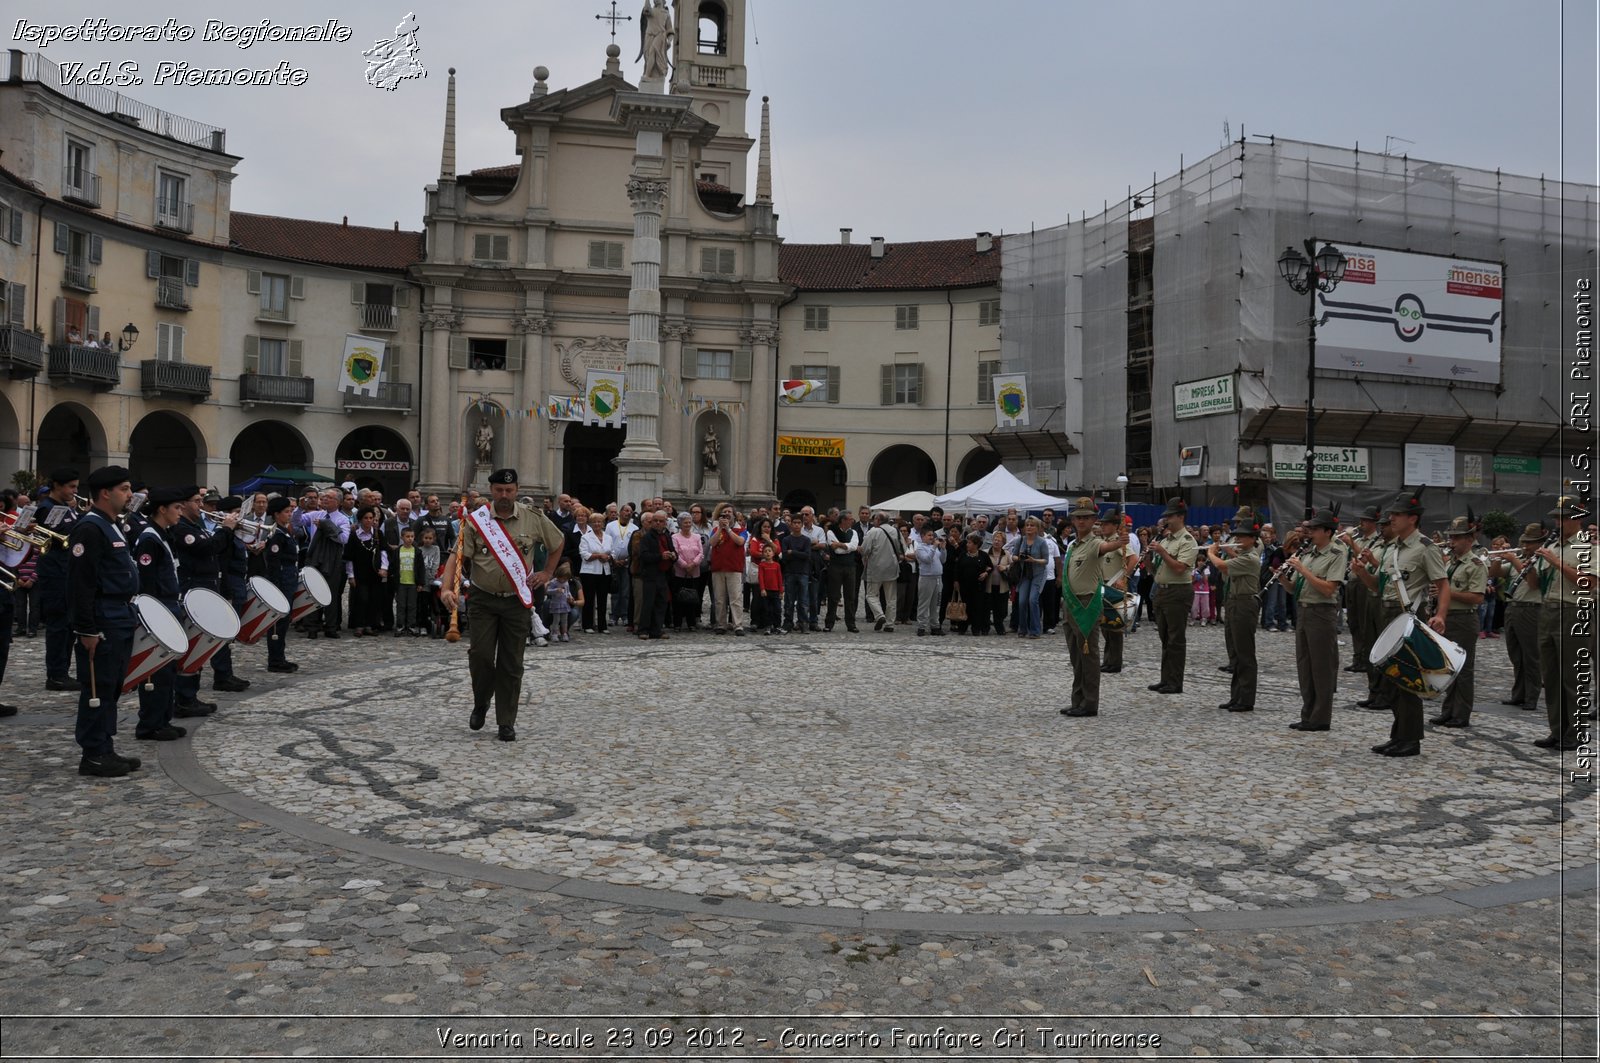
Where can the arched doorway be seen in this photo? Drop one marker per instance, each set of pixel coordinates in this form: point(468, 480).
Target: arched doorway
point(589, 472)
point(899, 469)
point(808, 481)
point(375, 457)
point(976, 465)
point(12, 455)
point(264, 443)
point(71, 437)
point(164, 450)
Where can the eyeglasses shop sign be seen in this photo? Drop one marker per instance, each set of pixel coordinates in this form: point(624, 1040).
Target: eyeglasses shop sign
point(1202, 398)
point(1335, 465)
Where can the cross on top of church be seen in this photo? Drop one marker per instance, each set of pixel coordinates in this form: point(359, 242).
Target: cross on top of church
point(614, 18)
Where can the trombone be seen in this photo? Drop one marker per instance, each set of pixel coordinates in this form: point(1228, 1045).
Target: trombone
point(37, 536)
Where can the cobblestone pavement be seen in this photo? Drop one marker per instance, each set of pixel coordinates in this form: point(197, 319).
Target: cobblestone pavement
point(785, 831)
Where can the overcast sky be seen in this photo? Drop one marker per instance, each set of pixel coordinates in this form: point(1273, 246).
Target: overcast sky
point(908, 120)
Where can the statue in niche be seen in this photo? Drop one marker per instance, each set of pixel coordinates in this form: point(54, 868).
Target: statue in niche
point(484, 441)
point(711, 450)
point(655, 39)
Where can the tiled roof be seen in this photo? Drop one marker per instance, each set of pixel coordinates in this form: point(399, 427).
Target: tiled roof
point(493, 171)
point(903, 267)
point(330, 243)
point(711, 186)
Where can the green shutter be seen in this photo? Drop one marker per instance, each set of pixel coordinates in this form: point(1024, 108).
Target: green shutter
point(152, 264)
point(690, 368)
point(743, 359)
point(252, 282)
point(358, 292)
point(191, 272)
point(297, 287)
point(63, 238)
point(833, 384)
point(17, 300)
point(886, 385)
point(295, 362)
point(252, 354)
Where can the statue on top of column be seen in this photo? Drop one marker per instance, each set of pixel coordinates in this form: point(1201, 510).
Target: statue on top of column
point(655, 40)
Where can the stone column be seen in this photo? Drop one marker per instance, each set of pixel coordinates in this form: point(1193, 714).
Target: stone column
point(755, 480)
point(442, 409)
point(525, 449)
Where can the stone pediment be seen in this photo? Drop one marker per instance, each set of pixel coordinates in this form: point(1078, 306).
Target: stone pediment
point(581, 355)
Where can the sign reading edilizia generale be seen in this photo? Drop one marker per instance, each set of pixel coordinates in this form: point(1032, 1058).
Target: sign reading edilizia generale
point(1342, 465)
point(1202, 398)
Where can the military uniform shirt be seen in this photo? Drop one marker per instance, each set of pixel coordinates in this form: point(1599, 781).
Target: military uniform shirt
point(1466, 574)
point(1330, 563)
point(527, 527)
point(1243, 573)
point(1083, 565)
point(1525, 584)
point(1419, 561)
point(1184, 549)
point(1575, 554)
point(1112, 566)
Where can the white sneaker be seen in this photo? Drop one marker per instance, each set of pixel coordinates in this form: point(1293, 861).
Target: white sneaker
point(541, 641)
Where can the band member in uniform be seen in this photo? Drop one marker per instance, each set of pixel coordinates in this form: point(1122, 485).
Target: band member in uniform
point(5, 641)
point(498, 541)
point(280, 551)
point(1175, 554)
point(1370, 559)
point(1358, 615)
point(1566, 641)
point(104, 580)
point(235, 576)
point(1415, 563)
point(57, 511)
point(1319, 573)
point(1080, 590)
point(1469, 584)
point(1524, 599)
point(1116, 570)
point(1240, 564)
point(158, 577)
point(201, 555)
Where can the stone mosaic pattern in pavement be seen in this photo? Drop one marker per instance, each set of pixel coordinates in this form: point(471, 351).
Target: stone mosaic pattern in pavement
point(919, 775)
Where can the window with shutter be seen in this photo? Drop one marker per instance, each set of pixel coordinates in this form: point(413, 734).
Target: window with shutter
point(460, 353)
point(252, 282)
point(152, 263)
point(295, 367)
point(989, 312)
point(833, 384)
point(297, 287)
point(605, 254)
point(95, 245)
point(91, 321)
point(16, 226)
point(402, 297)
point(817, 319)
point(274, 289)
point(252, 354)
point(886, 385)
point(905, 317)
point(828, 374)
point(18, 302)
point(717, 260)
point(191, 272)
point(986, 371)
point(714, 365)
point(169, 342)
point(690, 360)
point(907, 385)
point(63, 243)
point(743, 363)
point(274, 359)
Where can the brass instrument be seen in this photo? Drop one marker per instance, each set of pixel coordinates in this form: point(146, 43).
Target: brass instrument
point(8, 579)
point(38, 537)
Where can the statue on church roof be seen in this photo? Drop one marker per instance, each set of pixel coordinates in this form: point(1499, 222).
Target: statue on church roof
point(655, 40)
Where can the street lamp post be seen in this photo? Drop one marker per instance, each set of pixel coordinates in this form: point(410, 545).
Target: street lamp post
point(1310, 273)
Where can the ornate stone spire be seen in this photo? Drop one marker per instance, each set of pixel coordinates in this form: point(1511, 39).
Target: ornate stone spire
point(447, 157)
point(764, 159)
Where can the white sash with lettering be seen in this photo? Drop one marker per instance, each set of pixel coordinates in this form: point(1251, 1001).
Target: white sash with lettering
point(504, 551)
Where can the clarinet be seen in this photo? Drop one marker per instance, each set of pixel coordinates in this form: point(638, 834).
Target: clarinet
point(1522, 573)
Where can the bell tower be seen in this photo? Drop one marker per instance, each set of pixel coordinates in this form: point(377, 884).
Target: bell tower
point(709, 62)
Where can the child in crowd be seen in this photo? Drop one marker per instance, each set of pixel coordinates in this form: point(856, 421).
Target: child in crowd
point(1200, 612)
point(563, 596)
point(771, 581)
point(405, 597)
point(428, 593)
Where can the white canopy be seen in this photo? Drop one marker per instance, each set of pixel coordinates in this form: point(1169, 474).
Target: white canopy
point(997, 491)
point(912, 501)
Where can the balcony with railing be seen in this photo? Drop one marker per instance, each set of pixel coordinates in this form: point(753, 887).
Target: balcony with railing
point(277, 390)
point(76, 276)
point(711, 77)
point(275, 315)
point(31, 66)
point(379, 317)
point(390, 396)
point(95, 367)
point(172, 294)
point(21, 352)
point(161, 378)
point(80, 186)
point(175, 215)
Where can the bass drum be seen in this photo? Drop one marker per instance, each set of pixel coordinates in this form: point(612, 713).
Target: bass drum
point(1414, 657)
point(212, 625)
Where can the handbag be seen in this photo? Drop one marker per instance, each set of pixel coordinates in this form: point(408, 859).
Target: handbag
point(1014, 572)
point(956, 608)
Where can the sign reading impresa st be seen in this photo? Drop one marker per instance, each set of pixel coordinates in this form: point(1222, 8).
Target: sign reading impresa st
point(1338, 465)
point(1202, 398)
point(1413, 315)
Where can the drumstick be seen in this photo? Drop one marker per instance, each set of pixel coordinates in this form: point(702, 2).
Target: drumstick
point(94, 687)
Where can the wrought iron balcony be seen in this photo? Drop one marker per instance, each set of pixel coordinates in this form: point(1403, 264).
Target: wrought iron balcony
point(77, 277)
point(21, 352)
point(379, 317)
point(80, 186)
point(176, 215)
point(93, 367)
point(161, 377)
point(277, 390)
point(172, 294)
point(390, 396)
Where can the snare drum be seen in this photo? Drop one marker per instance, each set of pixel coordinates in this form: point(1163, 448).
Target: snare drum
point(1414, 657)
point(159, 641)
point(265, 607)
point(212, 625)
point(314, 593)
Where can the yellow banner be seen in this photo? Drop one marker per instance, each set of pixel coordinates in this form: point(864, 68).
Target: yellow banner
point(811, 446)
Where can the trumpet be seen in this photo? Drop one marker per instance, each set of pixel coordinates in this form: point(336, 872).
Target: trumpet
point(81, 504)
point(38, 537)
point(249, 531)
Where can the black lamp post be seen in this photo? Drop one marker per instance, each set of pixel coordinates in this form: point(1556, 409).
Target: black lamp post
point(1312, 272)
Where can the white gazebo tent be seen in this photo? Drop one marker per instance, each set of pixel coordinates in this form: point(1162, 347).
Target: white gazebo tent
point(911, 501)
point(997, 492)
